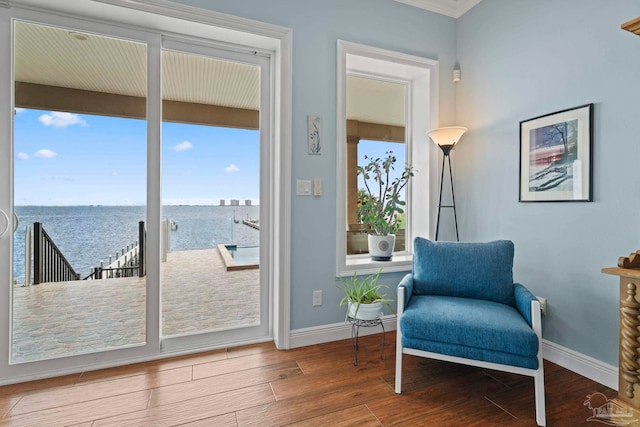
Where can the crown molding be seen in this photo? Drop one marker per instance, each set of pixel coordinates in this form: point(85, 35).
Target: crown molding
point(452, 8)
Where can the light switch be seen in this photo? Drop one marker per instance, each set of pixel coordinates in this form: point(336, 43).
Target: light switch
point(317, 187)
point(303, 187)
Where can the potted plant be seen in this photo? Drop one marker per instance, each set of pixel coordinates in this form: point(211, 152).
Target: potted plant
point(379, 204)
point(362, 296)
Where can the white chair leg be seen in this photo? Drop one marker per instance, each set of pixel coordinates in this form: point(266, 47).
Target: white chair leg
point(398, 367)
point(399, 341)
point(538, 381)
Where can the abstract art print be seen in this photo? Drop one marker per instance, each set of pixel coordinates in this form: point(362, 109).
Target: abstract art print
point(556, 156)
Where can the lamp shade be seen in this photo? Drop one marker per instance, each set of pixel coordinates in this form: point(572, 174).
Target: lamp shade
point(447, 135)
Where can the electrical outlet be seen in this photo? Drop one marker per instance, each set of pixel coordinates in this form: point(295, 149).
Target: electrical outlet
point(317, 298)
point(543, 305)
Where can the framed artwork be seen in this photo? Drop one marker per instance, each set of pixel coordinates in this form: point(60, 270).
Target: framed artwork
point(314, 128)
point(556, 156)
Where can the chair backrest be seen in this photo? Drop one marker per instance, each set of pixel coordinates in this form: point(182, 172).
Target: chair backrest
point(470, 270)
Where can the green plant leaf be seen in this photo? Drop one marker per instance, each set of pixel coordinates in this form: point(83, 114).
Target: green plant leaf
point(379, 203)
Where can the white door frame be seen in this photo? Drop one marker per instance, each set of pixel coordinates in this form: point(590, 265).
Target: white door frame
point(166, 18)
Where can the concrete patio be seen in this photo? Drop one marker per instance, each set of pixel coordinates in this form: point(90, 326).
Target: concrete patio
point(67, 318)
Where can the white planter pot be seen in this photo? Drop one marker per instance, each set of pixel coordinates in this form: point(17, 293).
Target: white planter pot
point(366, 311)
point(381, 247)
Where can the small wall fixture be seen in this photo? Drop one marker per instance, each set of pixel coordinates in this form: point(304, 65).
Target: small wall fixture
point(456, 75)
point(447, 138)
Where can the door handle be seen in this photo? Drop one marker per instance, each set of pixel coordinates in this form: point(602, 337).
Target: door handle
point(16, 222)
point(8, 222)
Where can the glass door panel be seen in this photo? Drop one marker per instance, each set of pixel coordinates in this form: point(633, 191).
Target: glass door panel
point(80, 139)
point(211, 157)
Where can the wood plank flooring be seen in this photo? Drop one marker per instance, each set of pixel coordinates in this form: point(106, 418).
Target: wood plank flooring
point(312, 386)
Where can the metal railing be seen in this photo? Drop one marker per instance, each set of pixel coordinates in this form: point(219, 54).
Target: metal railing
point(49, 264)
point(128, 263)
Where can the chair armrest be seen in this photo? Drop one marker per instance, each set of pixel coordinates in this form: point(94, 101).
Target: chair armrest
point(407, 284)
point(523, 301)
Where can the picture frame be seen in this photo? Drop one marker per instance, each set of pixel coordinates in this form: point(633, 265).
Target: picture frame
point(314, 134)
point(556, 156)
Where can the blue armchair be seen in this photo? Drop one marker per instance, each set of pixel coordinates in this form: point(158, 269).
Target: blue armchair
point(460, 305)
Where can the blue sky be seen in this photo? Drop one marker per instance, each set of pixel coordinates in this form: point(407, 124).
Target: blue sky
point(379, 149)
point(77, 159)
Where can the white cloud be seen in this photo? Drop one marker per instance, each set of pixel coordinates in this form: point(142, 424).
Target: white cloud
point(23, 156)
point(231, 168)
point(19, 110)
point(59, 119)
point(45, 154)
point(186, 145)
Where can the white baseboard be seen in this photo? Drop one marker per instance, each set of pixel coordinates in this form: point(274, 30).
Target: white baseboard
point(579, 363)
point(335, 332)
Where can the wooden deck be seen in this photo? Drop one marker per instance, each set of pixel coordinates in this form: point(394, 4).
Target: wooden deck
point(306, 387)
point(66, 318)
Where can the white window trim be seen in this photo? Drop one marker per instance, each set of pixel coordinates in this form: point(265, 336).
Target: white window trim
point(421, 77)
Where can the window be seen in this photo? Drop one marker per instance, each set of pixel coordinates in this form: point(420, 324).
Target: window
point(403, 90)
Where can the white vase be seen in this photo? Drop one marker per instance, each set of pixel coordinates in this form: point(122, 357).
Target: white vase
point(365, 311)
point(381, 247)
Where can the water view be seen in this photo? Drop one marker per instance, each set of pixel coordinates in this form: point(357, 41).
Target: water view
point(87, 235)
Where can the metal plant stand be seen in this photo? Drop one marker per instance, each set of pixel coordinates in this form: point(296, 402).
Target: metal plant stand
point(355, 329)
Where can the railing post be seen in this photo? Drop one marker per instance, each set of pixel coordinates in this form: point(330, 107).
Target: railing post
point(28, 259)
point(141, 249)
point(37, 253)
point(165, 232)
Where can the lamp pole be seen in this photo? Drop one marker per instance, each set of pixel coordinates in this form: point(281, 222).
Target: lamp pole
point(446, 138)
point(446, 150)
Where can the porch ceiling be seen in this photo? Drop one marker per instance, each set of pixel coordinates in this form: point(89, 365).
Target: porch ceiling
point(59, 69)
point(57, 57)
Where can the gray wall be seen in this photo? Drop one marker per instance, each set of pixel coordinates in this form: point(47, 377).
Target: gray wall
point(317, 25)
point(522, 59)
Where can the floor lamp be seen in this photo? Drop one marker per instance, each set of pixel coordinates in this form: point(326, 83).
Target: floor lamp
point(446, 138)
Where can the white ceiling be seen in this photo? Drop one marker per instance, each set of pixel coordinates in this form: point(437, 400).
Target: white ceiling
point(453, 8)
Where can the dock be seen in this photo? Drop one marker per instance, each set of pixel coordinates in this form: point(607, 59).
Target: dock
point(253, 223)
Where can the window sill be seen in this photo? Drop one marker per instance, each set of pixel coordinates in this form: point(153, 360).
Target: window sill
point(362, 264)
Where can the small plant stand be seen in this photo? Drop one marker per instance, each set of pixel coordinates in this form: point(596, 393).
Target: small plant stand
point(355, 329)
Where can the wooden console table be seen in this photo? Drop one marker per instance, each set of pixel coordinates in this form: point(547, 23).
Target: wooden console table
point(629, 334)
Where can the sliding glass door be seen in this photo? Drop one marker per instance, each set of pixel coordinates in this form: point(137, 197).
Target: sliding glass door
point(79, 192)
point(137, 184)
point(135, 193)
point(214, 289)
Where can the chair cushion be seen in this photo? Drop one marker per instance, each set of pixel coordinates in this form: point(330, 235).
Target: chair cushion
point(474, 329)
point(469, 270)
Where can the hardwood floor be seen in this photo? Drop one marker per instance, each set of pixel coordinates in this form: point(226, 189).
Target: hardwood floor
point(311, 386)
